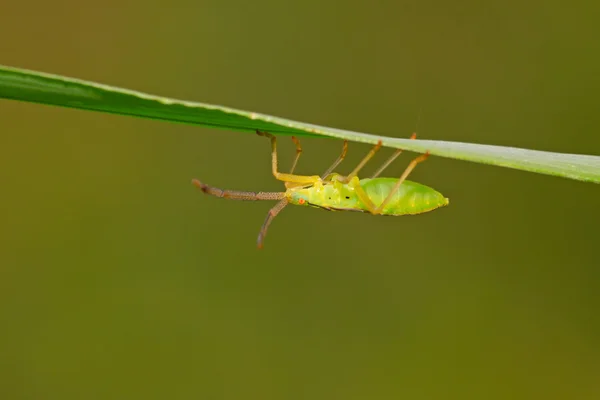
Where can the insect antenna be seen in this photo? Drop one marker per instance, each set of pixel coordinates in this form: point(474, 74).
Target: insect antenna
point(236, 194)
point(250, 196)
point(270, 215)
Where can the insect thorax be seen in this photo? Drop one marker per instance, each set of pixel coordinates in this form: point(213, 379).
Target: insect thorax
point(330, 194)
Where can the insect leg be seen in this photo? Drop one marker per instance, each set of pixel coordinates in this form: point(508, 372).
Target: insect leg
point(298, 152)
point(362, 163)
point(338, 161)
point(237, 195)
point(281, 176)
point(406, 172)
point(364, 197)
point(390, 160)
point(272, 214)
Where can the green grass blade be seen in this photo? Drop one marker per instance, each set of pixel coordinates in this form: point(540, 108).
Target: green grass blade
point(38, 87)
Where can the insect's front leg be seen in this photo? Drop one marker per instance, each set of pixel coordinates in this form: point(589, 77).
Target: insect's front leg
point(294, 179)
point(298, 154)
point(337, 161)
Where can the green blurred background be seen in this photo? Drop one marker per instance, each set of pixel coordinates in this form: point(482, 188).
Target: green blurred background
point(120, 280)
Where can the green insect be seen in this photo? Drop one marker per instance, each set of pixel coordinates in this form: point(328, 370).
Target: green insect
point(335, 192)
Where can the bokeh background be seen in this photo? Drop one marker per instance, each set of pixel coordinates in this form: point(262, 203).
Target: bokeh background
point(119, 280)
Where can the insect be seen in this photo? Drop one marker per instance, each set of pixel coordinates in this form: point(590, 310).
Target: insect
point(335, 192)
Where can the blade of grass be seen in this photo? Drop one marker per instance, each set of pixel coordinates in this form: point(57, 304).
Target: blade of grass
point(39, 87)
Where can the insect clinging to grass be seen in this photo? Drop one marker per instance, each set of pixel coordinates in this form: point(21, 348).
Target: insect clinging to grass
point(335, 192)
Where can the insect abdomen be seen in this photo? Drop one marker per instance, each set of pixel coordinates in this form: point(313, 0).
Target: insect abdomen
point(411, 197)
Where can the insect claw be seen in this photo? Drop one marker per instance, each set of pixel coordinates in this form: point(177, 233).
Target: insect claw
point(423, 157)
point(297, 143)
point(264, 133)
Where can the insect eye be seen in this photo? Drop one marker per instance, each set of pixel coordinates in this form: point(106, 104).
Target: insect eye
point(301, 201)
point(348, 197)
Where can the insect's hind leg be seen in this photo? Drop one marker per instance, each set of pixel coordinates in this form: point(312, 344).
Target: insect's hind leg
point(362, 195)
point(403, 177)
point(391, 159)
point(291, 178)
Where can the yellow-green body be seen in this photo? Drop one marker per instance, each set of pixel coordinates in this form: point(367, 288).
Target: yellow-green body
point(335, 192)
point(331, 194)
